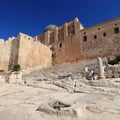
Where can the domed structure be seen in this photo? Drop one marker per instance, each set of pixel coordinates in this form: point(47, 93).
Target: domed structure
point(50, 28)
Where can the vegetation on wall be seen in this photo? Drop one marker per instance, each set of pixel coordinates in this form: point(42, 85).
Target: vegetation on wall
point(16, 67)
point(115, 61)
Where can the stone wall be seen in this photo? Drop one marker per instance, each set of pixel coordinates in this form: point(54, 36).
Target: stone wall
point(14, 51)
point(33, 55)
point(4, 59)
point(5, 49)
point(60, 33)
point(102, 40)
point(70, 42)
point(67, 51)
point(26, 51)
point(106, 47)
point(8, 53)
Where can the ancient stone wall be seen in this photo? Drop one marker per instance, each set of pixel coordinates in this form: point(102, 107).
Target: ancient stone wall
point(6, 54)
point(98, 41)
point(32, 54)
point(14, 52)
point(41, 38)
point(70, 42)
point(66, 48)
point(101, 40)
point(60, 33)
point(67, 51)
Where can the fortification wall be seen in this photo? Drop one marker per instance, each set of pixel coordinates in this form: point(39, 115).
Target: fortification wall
point(40, 38)
point(33, 55)
point(98, 41)
point(60, 33)
point(70, 42)
point(14, 51)
point(5, 53)
point(67, 51)
point(101, 40)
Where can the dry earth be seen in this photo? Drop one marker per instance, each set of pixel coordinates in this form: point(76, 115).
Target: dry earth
point(48, 95)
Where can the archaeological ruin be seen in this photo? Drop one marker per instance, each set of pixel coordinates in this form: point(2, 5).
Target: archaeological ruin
point(70, 42)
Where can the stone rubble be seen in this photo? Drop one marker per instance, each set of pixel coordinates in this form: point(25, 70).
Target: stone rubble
point(43, 92)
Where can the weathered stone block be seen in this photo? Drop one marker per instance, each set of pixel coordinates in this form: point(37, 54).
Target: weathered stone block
point(116, 75)
point(109, 74)
point(15, 77)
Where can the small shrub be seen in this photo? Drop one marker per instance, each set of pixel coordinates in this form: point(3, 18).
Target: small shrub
point(16, 67)
point(112, 62)
point(116, 61)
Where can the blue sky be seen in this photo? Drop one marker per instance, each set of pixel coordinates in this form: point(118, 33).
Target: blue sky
point(32, 16)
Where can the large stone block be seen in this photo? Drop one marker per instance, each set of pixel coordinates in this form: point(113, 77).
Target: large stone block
point(15, 77)
point(116, 75)
point(109, 74)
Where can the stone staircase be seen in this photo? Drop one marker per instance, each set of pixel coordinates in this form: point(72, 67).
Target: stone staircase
point(61, 75)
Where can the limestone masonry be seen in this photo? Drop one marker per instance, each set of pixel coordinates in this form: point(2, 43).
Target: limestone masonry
point(70, 42)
